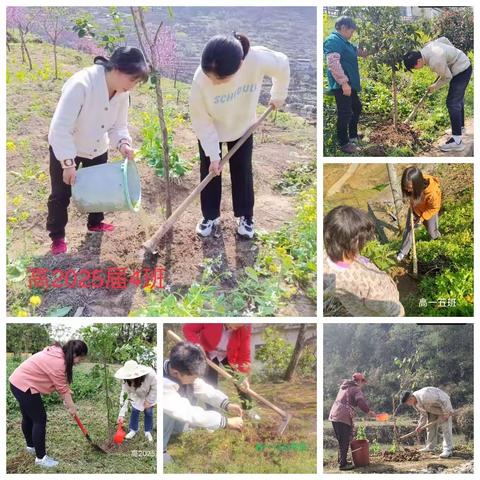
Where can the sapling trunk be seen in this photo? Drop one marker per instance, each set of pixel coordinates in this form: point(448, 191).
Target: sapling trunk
point(396, 192)
point(395, 101)
point(55, 59)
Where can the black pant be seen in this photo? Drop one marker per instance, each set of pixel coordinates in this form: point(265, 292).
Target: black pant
point(348, 114)
point(59, 199)
point(343, 432)
point(242, 183)
point(211, 377)
point(34, 419)
point(456, 100)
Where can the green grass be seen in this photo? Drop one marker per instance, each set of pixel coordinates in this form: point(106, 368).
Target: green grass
point(257, 449)
point(66, 443)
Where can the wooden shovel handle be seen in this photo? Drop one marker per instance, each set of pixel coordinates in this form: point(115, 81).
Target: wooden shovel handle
point(225, 374)
point(152, 243)
point(411, 434)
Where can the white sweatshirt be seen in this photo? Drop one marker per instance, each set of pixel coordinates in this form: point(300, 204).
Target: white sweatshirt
point(85, 120)
point(444, 59)
point(432, 400)
point(147, 392)
point(223, 113)
point(180, 408)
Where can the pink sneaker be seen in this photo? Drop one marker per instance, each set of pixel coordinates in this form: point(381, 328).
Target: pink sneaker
point(102, 227)
point(59, 245)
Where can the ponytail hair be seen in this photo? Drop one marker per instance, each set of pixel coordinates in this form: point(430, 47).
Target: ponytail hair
point(72, 349)
point(222, 55)
point(128, 60)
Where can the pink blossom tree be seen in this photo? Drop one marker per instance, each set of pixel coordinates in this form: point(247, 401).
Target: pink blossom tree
point(22, 19)
point(159, 48)
point(55, 22)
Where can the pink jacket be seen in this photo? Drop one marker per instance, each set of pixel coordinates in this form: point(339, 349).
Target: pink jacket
point(348, 398)
point(43, 372)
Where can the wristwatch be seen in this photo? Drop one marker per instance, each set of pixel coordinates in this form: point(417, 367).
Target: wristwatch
point(69, 162)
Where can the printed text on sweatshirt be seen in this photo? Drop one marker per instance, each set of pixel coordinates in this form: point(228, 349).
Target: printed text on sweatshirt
point(223, 113)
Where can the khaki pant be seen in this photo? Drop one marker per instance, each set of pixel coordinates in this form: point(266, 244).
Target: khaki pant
point(433, 433)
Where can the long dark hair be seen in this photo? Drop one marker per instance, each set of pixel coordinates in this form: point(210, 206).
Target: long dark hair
point(135, 382)
point(73, 348)
point(346, 230)
point(415, 176)
point(128, 60)
point(223, 55)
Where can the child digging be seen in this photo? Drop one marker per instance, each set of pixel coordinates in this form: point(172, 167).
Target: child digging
point(223, 103)
point(139, 384)
point(425, 197)
point(183, 387)
point(362, 288)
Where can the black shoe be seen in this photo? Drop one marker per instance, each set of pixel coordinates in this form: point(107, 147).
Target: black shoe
point(348, 466)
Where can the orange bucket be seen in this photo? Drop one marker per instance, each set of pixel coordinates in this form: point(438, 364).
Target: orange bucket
point(382, 417)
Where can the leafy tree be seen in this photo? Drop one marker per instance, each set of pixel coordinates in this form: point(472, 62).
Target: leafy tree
point(26, 338)
point(101, 339)
point(457, 25)
point(387, 37)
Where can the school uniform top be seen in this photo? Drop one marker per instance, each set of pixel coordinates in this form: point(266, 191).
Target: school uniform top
point(146, 392)
point(223, 113)
point(85, 121)
point(209, 335)
point(333, 45)
point(43, 372)
point(444, 59)
point(179, 402)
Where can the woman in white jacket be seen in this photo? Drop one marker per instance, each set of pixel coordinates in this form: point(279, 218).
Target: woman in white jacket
point(223, 103)
point(139, 388)
point(91, 115)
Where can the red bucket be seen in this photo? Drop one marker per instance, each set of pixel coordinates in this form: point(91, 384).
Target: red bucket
point(360, 453)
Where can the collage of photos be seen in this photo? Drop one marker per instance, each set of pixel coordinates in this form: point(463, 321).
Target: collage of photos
point(163, 175)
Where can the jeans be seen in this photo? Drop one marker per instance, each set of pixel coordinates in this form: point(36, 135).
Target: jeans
point(59, 199)
point(343, 433)
point(432, 228)
point(348, 114)
point(170, 426)
point(135, 417)
point(34, 419)
point(456, 100)
point(241, 176)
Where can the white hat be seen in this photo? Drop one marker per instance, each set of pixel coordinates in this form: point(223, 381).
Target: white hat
point(131, 370)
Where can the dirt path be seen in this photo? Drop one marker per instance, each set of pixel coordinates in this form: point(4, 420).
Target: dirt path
point(184, 255)
point(427, 464)
point(467, 140)
point(337, 186)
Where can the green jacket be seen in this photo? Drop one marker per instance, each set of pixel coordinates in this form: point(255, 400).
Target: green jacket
point(335, 43)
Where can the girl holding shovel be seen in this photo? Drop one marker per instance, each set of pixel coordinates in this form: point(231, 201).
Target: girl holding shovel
point(223, 102)
point(90, 116)
point(425, 197)
point(139, 387)
point(48, 371)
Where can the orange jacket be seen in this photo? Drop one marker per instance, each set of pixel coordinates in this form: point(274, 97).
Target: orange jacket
point(431, 201)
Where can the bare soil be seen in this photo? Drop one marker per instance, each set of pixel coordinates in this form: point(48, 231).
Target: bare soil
point(182, 253)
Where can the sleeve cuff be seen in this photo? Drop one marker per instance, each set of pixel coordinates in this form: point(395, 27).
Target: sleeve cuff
point(224, 405)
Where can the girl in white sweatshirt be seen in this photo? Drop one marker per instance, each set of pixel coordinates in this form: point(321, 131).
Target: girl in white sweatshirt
point(90, 116)
point(223, 102)
point(139, 388)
